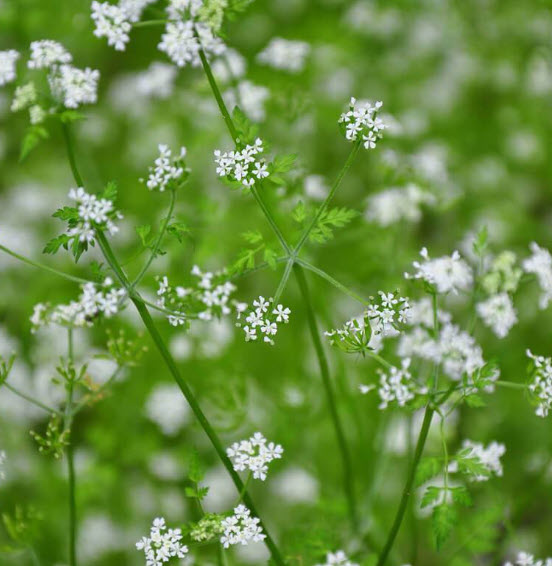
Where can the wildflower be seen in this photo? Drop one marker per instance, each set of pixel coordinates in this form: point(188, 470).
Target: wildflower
point(264, 318)
point(133, 8)
point(73, 87)
point(241, 528)
point(541, 384)
point(526, 559)
point(254, 455)
point(362, 122)
point(24, 96)
point(94, 300)
point(242, 166)
point(446, 273)
point(111, 22)
point(540, 263)
point(183, 9)
point(285, 55)
point(46, 53)
point(167, 169)
point(167, 408)
point(396, 204)
point(232, 67)
point(338, 558)
point(498, 313)
point(8, 60)
point(162, 544)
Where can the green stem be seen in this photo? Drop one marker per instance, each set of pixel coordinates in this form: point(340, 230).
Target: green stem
point(30, 399)
point(510, 385)
point(403, 505)
point(186, 391)
point(331, 280)
point(42, 266)
point(157, 242)
point(283, 281)
point(356, 147)
point(149, 23)
point(326, 380)
point(71, 477)
point(71, 154)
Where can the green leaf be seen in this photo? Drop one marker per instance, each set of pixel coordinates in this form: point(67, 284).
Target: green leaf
point(70, 116)
point(190, 492)
point(427, 469)
point(246, 130)
point(475, 401)
point(144, 232)
point(179, 230)
point(252, 237)
point(283, 163)
point(329, 219)
point(52, 247)
point(196, 472)
point(270, 257)
point(461, 496)
point(471, 465)
point(480, 243)
point(246, 260)
point(31, 139)
point(66, 213)
point(299, 213)
point(431, 495)
point(444, 518)
point(110, 191)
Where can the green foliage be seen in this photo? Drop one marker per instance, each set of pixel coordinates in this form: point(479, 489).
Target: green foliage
point(31, 140)
point(443, 520)
point(329, 220)
point(428, 468)
point(247, 131)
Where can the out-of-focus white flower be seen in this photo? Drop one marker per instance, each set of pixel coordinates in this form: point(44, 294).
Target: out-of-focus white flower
point(167, 407)
point(73, 87)
point(540, 263)
point(46, 53)
point(285, 55)
point(338, 558)
point(498, 313)
point(250, 97)
point(111, 22)
point(8, 60)
point(295, 485)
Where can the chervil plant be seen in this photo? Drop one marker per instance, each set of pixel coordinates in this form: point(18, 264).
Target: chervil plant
point(177, 259)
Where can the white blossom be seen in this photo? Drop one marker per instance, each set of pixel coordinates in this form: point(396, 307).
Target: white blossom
point(244, 166)
point(112, 23)
point(241, 528)
point(251, 99)
point(526, 559)
point(263, 319)
point(166, 169)
point(446, 273)
point(338, 558)
point(285, 55)
point(254, 454)
point(540, 263)
point(183, 9)
point(46, 53)
point(24, 97)
point(162, 544)
point(167, 408)
point(133, 8)
point(73, 87)
point(361, 121)
point(8, 60)
point(498, 313)
point(2, 462)
point(488, 456)
point(541, 384)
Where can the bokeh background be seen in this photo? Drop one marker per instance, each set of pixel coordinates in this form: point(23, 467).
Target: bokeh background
point(467, 89)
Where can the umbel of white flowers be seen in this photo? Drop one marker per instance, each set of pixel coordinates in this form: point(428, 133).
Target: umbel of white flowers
point(526, 559)
point(254, 454)
point(241, 528)
point(264, 318)
point(162, 544)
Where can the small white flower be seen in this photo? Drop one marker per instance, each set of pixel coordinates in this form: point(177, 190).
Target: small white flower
point(540, 263)
point(361, 121)
point(285, 55)
point(241, 528)
point(73, 87)
point(8, 60)
point(46, 53)
point(338, 558)
point(2, 462)
point(254, 454)
point(111, 22)
point(498, 313)
point(282, 314)
point(162, 544)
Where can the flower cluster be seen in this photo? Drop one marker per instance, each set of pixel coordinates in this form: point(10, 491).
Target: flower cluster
point(254, 454)
point(285, 55)
point(243, 166)
point(396, 385)
point(361, 121)
point(264, 318)
point(398, 203)
point(207, 299)
point(92, 302)
point(162, 544)
point(446, 273)
point(384, 317)
point(489, 457)
point(338, 558)
point(540, 263)
point(111, 22)
point(541, 384)
point(526, 559)
point(8, 60)
point(47, 53)
point(502, 275)
point(498, 313)
point(73, 87)
point(167, 169)
point(241, 528)
point(92, 214)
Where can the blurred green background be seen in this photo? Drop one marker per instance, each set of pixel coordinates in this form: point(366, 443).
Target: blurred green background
point(467, 86)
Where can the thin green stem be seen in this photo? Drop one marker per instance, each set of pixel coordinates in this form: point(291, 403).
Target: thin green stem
point(42, 266)
point(330, 396)
point(186, 390)
point(71, 154)
point(354, 151)
point(157, 244)
point(30, 399)
point(403, 505)
point(150, 23)
point(331, 280)
point(71, 476)
point(380, 360)
point(283, 281)
point(510, 385)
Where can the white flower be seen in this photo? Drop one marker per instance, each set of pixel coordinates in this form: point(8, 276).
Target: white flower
point(498, 313)
point(489, 456)
point(46, 53)
point(361, 122)
point(111, 22)
point(285, 55)
point(183, 9)
point(263, 318)
point(167, 407)
point(241, 528)
point(446, 273)
point(540, 263)
point(397, 385)
point(338, 558)
point(134, 8)
point(73, 87)
point(254, 455)
point(166, 169)
point(2, 462)
point(162, 544)
point(8, 60)
point(526, 559)
point(235, 165)
point(541, 385)
point(24, 96)
point(397, 204)
point(282, 314)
